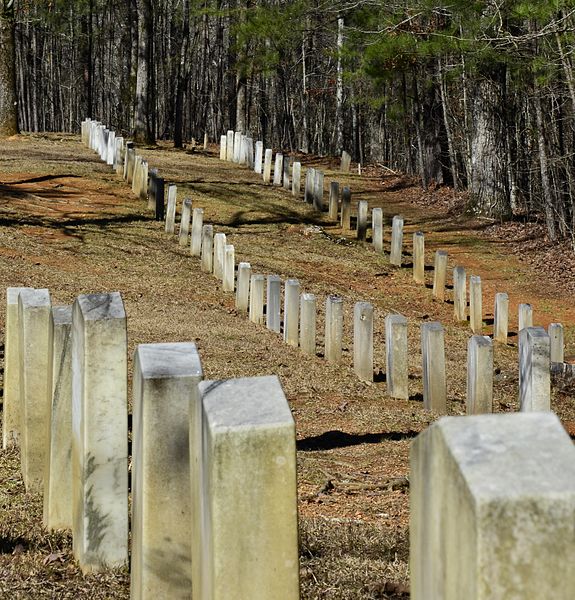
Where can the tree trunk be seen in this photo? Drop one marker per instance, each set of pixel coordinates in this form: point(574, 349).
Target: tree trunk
point(488, 183)
point(143, 132)
point(8, 103)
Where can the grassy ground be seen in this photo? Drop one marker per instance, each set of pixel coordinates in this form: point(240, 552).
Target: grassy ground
point(69, 224)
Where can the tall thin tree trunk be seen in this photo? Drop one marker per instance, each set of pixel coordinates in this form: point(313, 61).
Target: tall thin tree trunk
point(8, 102)
point(143, 131)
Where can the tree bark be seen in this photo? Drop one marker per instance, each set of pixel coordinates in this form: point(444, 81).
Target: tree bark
point(143, 132)
point(8, 101)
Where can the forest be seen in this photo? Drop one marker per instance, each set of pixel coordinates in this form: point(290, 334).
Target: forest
point(479, 96)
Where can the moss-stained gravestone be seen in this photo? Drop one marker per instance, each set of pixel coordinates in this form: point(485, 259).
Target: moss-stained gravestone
point(99, 432)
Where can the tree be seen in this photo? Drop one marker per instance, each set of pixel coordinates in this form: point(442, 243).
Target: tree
point(143, 118)
point(8, 102)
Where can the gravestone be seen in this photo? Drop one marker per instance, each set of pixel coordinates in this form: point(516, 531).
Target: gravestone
point(243, 287)
point(307, 339)
point(228, 281)
point(395, 254)
point(309, 185)
point(345, 162)
point(223, 150)
point(525, 316)
point(207, 260)
point(333, 203)
point(317, 194)
point(440, 275)
point(291, 312)
point(377, 229)
point(501, 318)
point(257, 293)
point(333, 328)
point(363, 340)
point(273, 303)
point(285, 175)
point(396, 356)
point(475, 304)
point(58, 479)
point(556, 343)
point(248, 538)
point(258, 159)
point(534, 370)
point(362, 208)
point(230, 145)
point(419, 258)
point(11, 414)
point(99, 432)
point(166, 376)
point(184, 233)
point(346, 209)
point(296, 179)
point(267, 165)
point(171, 209)
point(159, 193)
point(219, 246)
point(197, 232)
point(237, 153)
point(479, 375)
point(278, 169)
point(492, 504)
point(459, 294)
point(34, 314)
point(433, 356)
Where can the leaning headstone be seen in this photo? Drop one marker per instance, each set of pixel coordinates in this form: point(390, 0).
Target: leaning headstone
point(228, 281)
point(501, 318)
point(318, 190)
point(333, 202)
point(99, 432)
point(247, 533)
point(396, 356)
point(307, 336)
point(479, 375)
point(243, 287)
point(218, 262)
point(525, 316)
point(267, 165)
point(223, 150)
point(11, 414)
point(534, 370)
point(419, 257)
point(333, 328)
point(377, 229)
point(207, 264)
point(362, 208)
point(363, 340)
point(291, 312)
point(296, 179)
point(34, 314)
point(395, 257)
point(166, 376)
point(58, 479)
point(491, 509)
point(197, 226)
point(345, 162)
point(258, 159)
point(171, 209)
point(433, 355)
point(459, 294)
point(230, 145)
point(556, 343)
point(257, 293)
point(273, 303)
point(278, 169)
point(475, 304)
point(440, 275)
point(346, 209)
point(184, 233)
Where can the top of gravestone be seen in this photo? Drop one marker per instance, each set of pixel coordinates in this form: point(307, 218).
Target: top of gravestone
point(161, 361)
point(62, 315)
point(515, 455)
point(101, 306)
point(481, 340)
point(534, 333)
point(245, 403)
point(12, 294)
point(396, 318)
point(34, 297)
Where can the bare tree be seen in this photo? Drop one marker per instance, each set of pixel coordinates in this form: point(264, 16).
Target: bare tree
point(8, 102)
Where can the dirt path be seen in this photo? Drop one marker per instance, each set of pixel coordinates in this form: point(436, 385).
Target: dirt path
point(69, 224)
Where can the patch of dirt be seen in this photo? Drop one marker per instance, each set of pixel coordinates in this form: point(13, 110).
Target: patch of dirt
point(69, 224)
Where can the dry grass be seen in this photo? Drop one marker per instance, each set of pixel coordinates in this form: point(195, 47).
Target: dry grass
point(67, 223)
